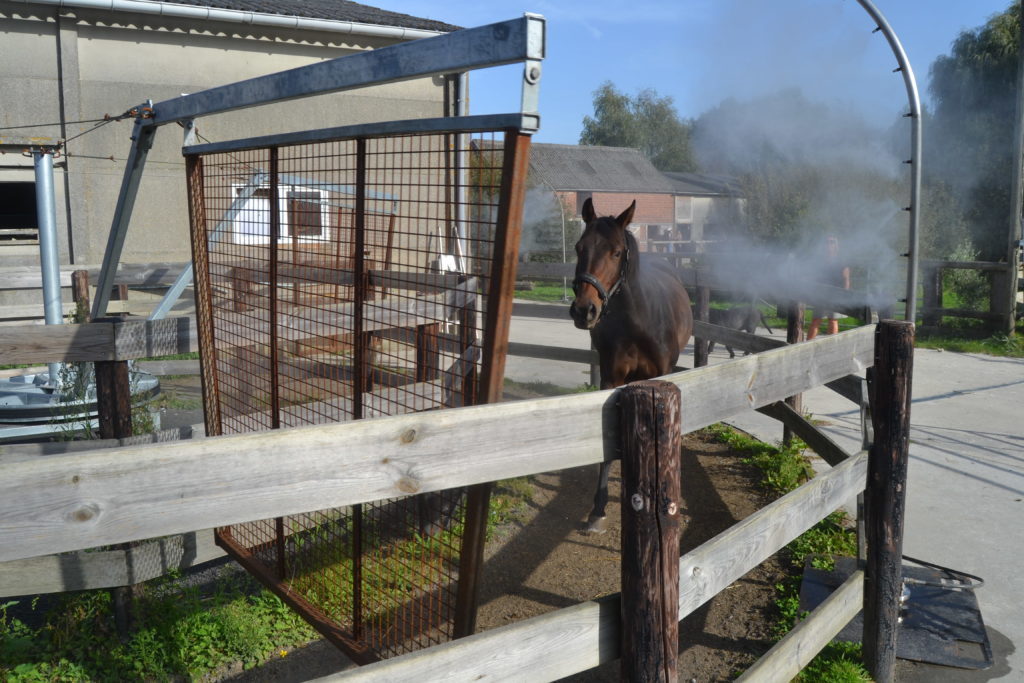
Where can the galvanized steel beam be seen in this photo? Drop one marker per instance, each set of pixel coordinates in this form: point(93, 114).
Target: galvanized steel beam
point(506, 42)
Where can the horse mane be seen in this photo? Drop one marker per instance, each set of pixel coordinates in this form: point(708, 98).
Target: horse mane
point(633, 249)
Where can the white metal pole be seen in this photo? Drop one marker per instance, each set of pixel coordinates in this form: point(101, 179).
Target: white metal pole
point(49, 252)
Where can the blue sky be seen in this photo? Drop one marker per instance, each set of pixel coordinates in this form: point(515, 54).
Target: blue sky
point(700, 52)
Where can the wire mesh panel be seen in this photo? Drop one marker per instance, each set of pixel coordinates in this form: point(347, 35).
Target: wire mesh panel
point(348, 279)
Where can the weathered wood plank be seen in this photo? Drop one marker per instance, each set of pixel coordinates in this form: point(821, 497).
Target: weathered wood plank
point(818, 441)
point(545, 648)
point(534, 309)
point(715, 564)
point(789, 656)
point(578, 638)
point(23, 344)
point(586, 356)
point(131, 274)
point(108, 568)
point(85, 501)
point(735, 338)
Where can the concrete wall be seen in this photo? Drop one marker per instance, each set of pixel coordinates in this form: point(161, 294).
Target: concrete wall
point(62, 65)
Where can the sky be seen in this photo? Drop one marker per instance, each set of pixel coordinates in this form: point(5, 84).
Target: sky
point(699, 52)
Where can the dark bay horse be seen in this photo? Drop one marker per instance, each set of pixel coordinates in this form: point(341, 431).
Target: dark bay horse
point(635, 307)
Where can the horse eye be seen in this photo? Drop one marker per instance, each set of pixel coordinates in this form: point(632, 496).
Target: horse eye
point(618, 253)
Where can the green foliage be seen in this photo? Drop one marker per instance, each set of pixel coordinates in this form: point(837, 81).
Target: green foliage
point(545, 292)
point(967, 341)
point(645, 122)
point(838, 662)
point(784, 468)
point(968, 288)
point(183, 633)
point(969, 144)
point(803, 167)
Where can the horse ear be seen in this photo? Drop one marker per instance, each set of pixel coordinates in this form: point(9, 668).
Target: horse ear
point(626, 217)
point(588, 212)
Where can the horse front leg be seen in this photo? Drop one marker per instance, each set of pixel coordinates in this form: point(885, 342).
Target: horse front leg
point(597, 523)
point(613, 374)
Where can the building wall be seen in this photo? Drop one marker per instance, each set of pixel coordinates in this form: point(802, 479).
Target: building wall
point(75, 65)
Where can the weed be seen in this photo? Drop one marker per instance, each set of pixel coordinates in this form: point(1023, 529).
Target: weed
point(783, 469)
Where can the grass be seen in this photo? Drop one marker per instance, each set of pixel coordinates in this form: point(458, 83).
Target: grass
point(191, 633)
point(546, 292)
point(186, 633)
point(783, 469)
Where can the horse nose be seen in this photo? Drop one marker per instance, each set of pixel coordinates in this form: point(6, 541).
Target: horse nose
point(583, 314)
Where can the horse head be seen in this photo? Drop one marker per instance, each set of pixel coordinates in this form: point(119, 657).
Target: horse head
point(602, 260)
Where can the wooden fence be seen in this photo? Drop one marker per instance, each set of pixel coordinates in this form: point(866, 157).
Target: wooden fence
point(933, 309)
point(85, 500)
point(140, 276)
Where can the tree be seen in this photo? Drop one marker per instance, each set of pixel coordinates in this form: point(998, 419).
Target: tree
point(806, 169)
point(969, 138)
point(646, 122)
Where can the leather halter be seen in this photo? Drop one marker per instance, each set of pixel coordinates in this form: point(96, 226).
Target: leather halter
point(604, 295)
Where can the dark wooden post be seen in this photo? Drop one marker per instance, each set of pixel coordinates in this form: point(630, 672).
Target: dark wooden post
point(885, 495)
point(114, 408)
point(794, 335)
point(701, 306)
point(80, 295)
point(651, 442)
point(932, 282)
point(428, 352)
point(113, 399)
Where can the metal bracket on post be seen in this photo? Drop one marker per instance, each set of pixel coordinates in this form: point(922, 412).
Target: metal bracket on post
point(530, 97)
point(142, 142)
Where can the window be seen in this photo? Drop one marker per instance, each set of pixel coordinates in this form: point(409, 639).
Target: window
point(18, 220)
point(303, 214)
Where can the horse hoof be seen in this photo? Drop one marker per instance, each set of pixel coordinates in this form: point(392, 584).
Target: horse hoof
point(597, 525)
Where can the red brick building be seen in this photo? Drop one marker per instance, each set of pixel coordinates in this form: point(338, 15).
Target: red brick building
point(674, 212)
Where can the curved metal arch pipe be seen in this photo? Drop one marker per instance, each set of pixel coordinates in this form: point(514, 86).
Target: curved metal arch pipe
point(914, 99)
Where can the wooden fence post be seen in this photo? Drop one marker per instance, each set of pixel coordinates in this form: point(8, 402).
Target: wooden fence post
point(114, 411)
point(794, 335)
point(932, 284)
point(885, 495)
point(80, 295)
point(651, 442)
point(701, 306)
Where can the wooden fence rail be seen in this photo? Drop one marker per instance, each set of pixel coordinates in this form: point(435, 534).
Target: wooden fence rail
point(83, 501)
point(133, 493)
point(587, 635)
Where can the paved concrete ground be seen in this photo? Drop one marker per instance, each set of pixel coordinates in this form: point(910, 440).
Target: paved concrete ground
point(965, 504)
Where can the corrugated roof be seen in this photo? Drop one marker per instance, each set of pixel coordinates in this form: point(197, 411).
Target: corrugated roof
point(597, 169)
point(334, 10)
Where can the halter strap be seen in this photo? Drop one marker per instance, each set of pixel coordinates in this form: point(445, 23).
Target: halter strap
point(604, 295)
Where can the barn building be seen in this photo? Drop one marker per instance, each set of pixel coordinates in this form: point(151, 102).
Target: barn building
point(675, 212)
point(66, 64)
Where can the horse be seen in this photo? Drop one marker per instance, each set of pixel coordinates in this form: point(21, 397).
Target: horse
point(635, 307)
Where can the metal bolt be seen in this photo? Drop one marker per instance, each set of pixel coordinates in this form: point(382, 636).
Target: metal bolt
point(638, 502)
point(673, 508)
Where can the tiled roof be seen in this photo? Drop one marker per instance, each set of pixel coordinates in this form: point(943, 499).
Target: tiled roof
point(334, 10)
point(703, 184)
point(592, 168)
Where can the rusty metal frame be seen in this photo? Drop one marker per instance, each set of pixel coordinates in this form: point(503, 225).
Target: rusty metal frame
point(470, 337)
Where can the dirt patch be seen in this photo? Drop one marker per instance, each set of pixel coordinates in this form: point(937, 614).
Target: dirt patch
point(547, 561)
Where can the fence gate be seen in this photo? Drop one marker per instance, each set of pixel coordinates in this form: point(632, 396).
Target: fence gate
point(351, 275)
